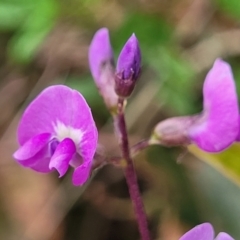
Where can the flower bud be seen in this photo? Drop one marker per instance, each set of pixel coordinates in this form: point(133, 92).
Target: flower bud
point(173, 131)
point(102, 67)
point(128, 67)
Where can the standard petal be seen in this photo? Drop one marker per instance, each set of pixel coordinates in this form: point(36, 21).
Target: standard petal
point(83, 120)
point(220, 125)
point(52, 105)
point(81, 174)
point(201, 232)
point(223, 236)
point(32, 146)
point(62, 156)
point(100, 53)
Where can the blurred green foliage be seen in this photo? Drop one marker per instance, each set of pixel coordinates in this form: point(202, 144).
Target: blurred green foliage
point(32, 21)
point(232, 7)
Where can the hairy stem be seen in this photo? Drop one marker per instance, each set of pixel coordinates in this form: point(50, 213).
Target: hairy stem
point(130, 174)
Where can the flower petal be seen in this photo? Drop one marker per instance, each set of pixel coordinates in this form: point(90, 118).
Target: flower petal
point(51, 105)
point(76, 161)
point(84, 121)
point(101, 64)
point(100, 53)
point(220, 124)
point(238, 136)
point(81, 174)
point(201, 232)
point(62, 156)
point(129, 60)
point(223, 236)
point(32, 146)
point(38, 162)
point(42, 165)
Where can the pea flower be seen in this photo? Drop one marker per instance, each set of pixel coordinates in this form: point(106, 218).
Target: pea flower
point(217, 126)
point(101, 64)
point(128, 67)
point(204, 232)
point(56, 131)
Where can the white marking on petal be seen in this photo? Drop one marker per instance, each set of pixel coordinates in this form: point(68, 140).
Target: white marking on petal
point(62, 131)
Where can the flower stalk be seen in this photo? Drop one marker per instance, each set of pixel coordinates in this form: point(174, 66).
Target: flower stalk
point(130, 173)
point(138, 147)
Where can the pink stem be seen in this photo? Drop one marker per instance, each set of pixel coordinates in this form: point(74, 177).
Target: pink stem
point(131, 175)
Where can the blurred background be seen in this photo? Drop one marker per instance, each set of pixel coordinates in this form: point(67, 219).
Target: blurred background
point(46, 42)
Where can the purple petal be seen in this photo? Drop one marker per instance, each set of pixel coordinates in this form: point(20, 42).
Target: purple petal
point(42, 165)
point(100, 52)
point(102, 67)
point(220, 125)
point(238, 136)
point(62, 156)
point(201, 232)
point(129, 60)
point(32, 146)
point(223, 236)
point(53, 104)
point(81, 174)
point(38, 162)
point(53, 145)
point(84, 120)
point(76, 161)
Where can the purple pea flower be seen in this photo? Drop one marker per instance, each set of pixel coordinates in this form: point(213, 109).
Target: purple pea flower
point(128, 67)
point(56, 131)
point(217, 126)
point(101, 64)
point(204, 232)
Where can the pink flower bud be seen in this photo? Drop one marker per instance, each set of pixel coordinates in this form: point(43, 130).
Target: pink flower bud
point(102, 66)
point(173, 131)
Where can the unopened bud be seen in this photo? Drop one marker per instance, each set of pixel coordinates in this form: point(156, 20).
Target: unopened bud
point(128, 67)
point(102, 67)
point(174, 131)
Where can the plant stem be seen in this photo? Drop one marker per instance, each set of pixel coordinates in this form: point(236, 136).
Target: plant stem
point(130, 174)
point(138, 147)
